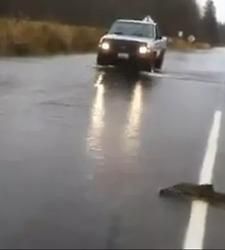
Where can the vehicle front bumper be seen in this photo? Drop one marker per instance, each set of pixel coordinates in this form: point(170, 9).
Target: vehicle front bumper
point(138, 60)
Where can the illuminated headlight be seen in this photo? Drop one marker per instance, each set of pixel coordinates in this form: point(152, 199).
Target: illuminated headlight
point(143, 50)
point(105, 46)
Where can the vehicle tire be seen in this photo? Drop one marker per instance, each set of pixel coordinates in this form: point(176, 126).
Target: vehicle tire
point(101, 61)
point(147, 67)
point(159, 61)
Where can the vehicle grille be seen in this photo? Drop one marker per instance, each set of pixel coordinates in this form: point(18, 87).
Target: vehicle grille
point(124, 46)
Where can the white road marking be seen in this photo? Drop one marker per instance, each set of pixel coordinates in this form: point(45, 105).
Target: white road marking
point(195, 233)
point(209, 161)
point(196, 229)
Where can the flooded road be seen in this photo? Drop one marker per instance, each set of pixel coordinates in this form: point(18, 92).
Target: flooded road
point(83, 152)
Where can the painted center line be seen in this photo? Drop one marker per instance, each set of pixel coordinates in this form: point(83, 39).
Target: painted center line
point(195, 233)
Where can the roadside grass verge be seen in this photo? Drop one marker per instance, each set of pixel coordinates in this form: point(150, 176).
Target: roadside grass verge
point(25, 37)
point(181, 44)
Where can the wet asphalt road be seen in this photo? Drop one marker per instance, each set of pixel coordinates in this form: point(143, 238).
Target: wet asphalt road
point(84, 152)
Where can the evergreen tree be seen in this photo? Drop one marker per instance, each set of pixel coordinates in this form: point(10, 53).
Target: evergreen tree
point(210, 25)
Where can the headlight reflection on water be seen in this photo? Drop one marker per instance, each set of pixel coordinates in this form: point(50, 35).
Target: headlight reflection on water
point(131, 133)
point(97, 123)
point(132, 130)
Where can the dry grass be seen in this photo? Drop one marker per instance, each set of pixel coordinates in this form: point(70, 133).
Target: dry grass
point(182, 44)
point(25, 37)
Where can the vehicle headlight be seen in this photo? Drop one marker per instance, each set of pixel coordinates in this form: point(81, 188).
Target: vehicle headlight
point(143, 49)
point(105, 46)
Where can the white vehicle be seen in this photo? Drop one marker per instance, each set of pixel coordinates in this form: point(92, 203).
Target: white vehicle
point(133, 42)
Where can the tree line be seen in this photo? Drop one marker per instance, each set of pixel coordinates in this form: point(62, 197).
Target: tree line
point(172, 15)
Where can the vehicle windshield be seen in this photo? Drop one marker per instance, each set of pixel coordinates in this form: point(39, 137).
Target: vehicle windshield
point(133, 29)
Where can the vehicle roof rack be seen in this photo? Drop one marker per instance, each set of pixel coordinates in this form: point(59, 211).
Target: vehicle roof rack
point(148, 19)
